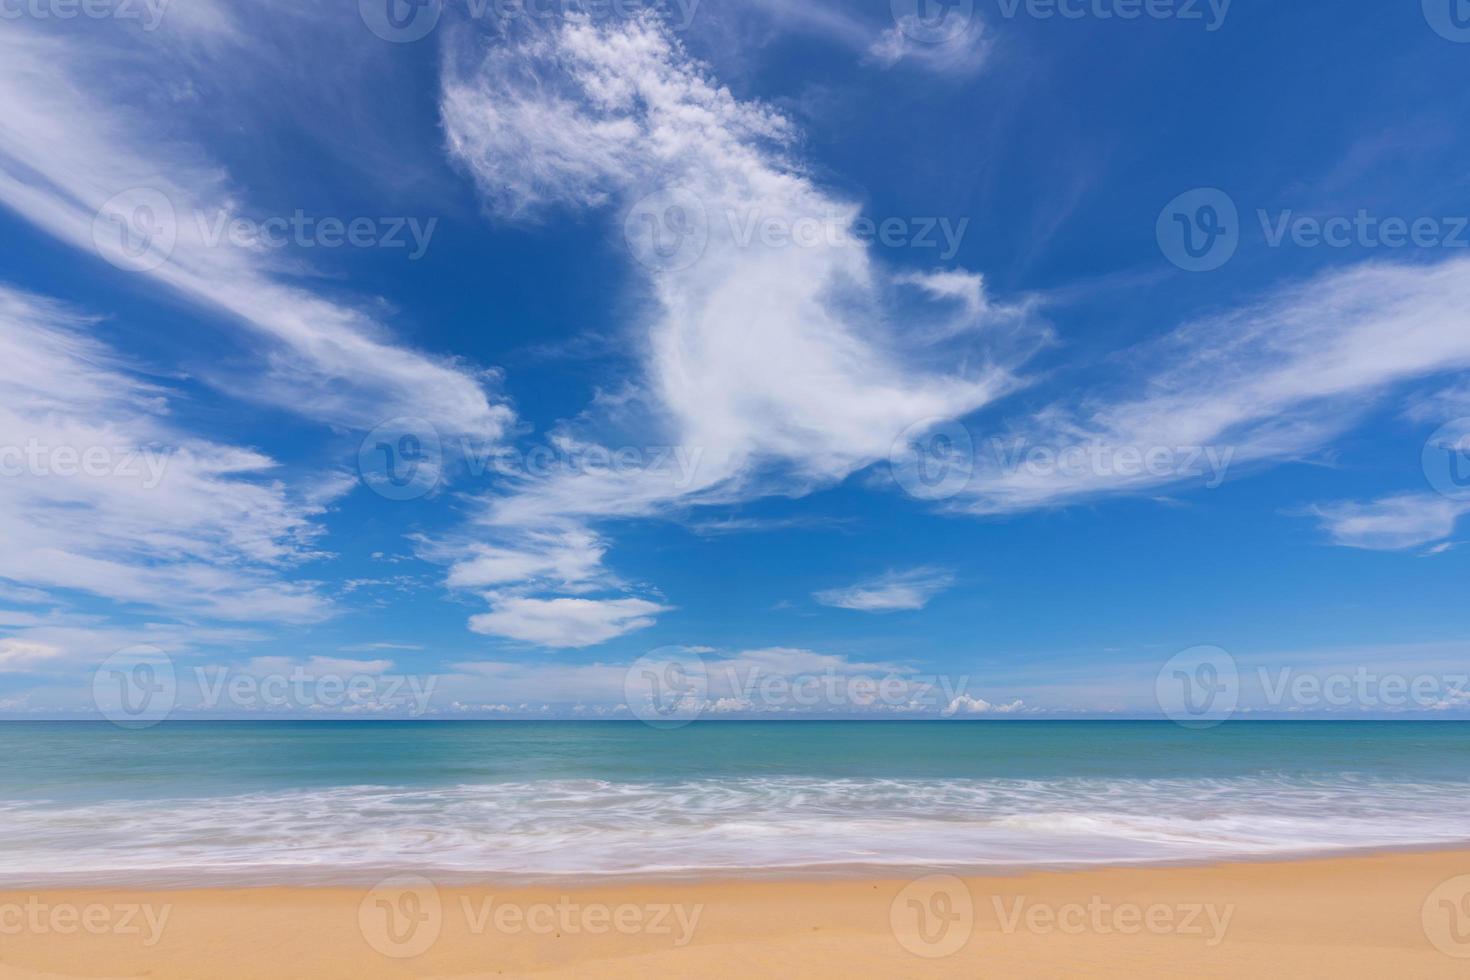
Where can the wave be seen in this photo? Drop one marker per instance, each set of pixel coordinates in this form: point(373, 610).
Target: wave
point(739, 825)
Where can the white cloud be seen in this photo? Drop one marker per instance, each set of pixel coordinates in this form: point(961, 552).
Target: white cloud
point(889, 592)
point(771, 366)
point(21, 655)
point(105, 495)
point(966, 705)
point(1271, 381)
point(1393, 523)
point(67, 150)
point(957, 48)
point(565, 622)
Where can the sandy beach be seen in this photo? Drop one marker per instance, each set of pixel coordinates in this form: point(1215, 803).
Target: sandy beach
point(1387, 914)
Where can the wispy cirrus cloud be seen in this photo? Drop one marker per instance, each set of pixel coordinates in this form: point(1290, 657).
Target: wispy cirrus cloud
point(564, 621)
point(105, 494)
point(1394, 523)
point(1271, 381)
point(776, 364)
point(890, 592)
point(107, 177)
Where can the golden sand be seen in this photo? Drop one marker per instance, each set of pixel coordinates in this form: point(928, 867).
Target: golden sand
point(1395, 915)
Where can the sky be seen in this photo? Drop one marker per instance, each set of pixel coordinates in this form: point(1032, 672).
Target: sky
point(574, 359)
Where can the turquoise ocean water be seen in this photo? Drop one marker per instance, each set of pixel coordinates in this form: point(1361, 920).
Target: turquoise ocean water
point(221, 802)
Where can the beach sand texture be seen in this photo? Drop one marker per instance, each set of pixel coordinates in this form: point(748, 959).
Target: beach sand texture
point(1400, 915)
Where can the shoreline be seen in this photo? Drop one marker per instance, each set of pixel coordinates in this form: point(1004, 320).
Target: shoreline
point(1353, 915)
point(797, 873)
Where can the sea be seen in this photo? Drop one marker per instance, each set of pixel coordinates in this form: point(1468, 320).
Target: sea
point(260, 802)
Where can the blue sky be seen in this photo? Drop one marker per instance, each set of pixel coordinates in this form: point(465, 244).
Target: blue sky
point(1013, 346)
